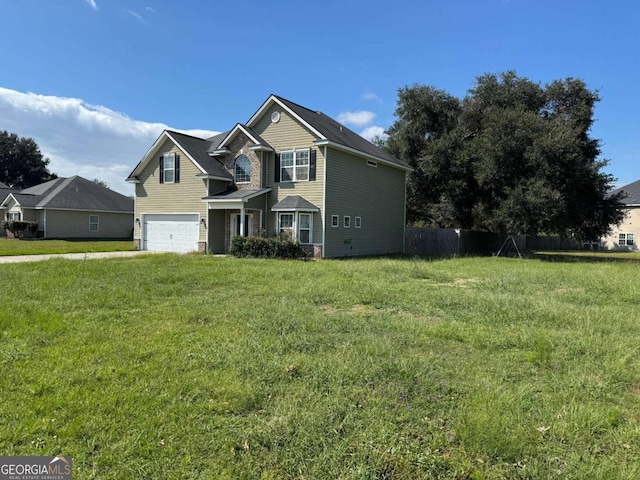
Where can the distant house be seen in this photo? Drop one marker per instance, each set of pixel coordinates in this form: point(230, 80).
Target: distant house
point(71, 207)
point(626, 235)
point(288, 169)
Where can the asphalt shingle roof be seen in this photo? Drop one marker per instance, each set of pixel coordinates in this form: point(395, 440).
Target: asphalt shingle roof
point(632, 191)
point(294, 202)
point(338, 133)
point(74, 193)
point(197, 148)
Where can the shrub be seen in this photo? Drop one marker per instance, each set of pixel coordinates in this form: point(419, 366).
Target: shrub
point(20, 227)
point(281, 246)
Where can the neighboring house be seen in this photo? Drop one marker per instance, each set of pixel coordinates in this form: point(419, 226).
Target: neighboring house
point(626, 235)
point(4, 191)
point(288, 169)
point(72, 207)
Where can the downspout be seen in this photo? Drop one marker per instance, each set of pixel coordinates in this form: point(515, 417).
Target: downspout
point(44, 220)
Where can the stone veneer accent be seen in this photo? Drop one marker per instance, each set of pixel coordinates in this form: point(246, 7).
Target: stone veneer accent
point(240, 146)
point(202, 247)
point(136, 243)
point(314, 250)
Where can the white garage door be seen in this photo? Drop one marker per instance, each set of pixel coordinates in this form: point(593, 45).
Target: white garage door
point(171, 233)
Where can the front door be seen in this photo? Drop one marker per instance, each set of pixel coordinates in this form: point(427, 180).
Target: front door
point(235, 225)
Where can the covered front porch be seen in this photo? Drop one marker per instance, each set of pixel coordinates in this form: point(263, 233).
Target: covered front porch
point(241, 212)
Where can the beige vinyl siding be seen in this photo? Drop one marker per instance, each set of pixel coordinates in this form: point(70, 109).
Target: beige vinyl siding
point(376, 194)
point(75, 224)
point(153, 197)
point(216, 231)
point(288, 134)
point(630, 224)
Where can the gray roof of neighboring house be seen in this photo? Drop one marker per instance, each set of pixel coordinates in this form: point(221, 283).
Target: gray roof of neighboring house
point(74, 193)
point(294, 202)
point(338, 133)
point(4, 185)
point(632, 191)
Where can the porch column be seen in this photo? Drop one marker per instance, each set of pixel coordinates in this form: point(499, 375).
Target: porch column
point(242, 220)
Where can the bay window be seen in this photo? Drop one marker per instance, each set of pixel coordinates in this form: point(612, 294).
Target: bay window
point(298, 225)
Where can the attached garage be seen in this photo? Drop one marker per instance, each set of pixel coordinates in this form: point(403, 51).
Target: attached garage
point(171, 233)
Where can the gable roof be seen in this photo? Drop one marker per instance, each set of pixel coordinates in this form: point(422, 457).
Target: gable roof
point(194, 148)
point(220, 146)
point(330, 132)
point(632, 193)
point(73, 193)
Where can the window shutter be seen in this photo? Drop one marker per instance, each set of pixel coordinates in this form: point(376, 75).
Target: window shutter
point(312, 165)
point(177, 169)
point(277, 168)
point(161, 169)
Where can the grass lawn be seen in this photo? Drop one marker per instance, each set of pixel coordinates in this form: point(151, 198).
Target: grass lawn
point(190, 366)
point(11, 246)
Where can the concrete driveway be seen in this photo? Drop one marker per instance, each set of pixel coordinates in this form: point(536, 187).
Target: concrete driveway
point(72, 256)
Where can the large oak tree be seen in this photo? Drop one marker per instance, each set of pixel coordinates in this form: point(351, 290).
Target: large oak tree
point(512, 156)
point(21, 162)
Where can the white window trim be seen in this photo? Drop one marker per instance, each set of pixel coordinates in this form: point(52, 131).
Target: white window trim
point(96, 223)
point(336, 223)
point(346, 223)
point(295, 229)
point(295, 166)
point(371, 163)
point(14, 214)
point(357, 222)
point(623, 239)
point(172, 169)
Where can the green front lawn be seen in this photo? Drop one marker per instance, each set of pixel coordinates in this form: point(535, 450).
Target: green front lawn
point(192, 366)
point(11, 246)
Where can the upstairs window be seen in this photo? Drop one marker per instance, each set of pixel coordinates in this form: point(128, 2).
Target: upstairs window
point(243, 169)
point(294, 166)
point(169, 168)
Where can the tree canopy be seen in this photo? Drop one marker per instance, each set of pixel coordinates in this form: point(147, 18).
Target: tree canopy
point(21, 162)
point(512, 156)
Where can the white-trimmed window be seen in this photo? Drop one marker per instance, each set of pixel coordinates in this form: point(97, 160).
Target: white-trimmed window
point(285, 223)
point(335, 221)
point(13, 216)
point(94, 223)
point(294, 166)
point(298, 225)
point(347, 221)
point(358, 222)
point(371, 163)
point(169, 168)
point(625, 239)
point(304, 227)
point(243, 169)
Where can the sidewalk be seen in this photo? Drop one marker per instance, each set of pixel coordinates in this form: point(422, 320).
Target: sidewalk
point(72, 256)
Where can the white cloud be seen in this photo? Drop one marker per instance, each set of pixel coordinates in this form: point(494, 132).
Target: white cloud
point(93, 4)
point(150, 9)
point(136, 15)
point(81, 139)
point(360, 118)
point(371, 97)
point(373, 131)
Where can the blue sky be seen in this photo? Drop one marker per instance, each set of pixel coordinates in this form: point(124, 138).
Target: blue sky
point(94, 82)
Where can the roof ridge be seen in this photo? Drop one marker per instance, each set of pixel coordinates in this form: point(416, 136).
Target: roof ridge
point(55, 190)
point(168, 130)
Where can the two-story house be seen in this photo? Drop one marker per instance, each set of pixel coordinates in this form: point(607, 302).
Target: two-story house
point(288, 169)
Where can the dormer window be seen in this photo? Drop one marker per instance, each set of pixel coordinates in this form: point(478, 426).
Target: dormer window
point(243, 169)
